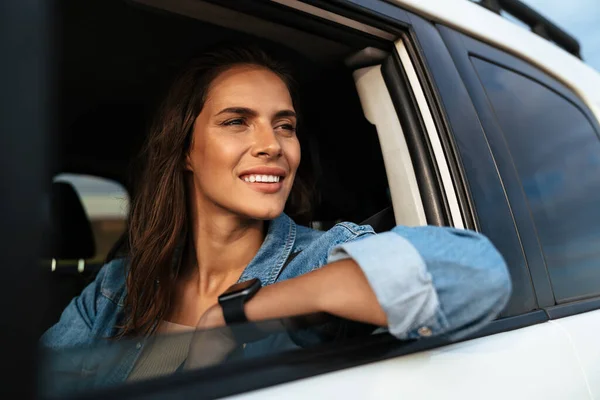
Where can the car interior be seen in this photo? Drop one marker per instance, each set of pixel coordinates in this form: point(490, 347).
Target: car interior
point(117, 59)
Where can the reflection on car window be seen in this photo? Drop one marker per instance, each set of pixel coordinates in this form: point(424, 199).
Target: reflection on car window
point(176, 350)
point(106, 204)
point(557, 154)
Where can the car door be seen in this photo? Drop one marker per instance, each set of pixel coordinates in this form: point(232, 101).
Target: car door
point(546, 141)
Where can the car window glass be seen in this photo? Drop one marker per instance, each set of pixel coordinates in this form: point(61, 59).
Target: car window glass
point(556, 152)
point(108, 362)
point(106, 203)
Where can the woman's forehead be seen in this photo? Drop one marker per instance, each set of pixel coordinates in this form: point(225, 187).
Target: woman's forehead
point(249, 86)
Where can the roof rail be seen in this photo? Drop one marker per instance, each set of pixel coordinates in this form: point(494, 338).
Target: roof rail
point(537, 22)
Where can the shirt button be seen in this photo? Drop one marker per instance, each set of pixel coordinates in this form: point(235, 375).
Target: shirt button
point(138, 345)
point(424, 331)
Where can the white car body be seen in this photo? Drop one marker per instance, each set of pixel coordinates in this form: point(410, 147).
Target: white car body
point(509, 365)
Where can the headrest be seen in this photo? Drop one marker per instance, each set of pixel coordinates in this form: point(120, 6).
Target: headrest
point(70, 232)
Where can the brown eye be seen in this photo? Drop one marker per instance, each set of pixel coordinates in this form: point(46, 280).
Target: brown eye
point(234, 122)
point(287, 127)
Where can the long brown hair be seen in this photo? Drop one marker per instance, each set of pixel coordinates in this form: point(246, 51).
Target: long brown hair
point(159, 216)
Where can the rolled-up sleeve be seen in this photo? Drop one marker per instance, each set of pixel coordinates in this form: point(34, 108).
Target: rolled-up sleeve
point(431, 280)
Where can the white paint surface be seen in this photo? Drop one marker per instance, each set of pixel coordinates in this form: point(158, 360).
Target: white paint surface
point(584, 332)
point(536, 362)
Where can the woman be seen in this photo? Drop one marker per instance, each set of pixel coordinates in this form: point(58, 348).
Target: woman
point(221, 163)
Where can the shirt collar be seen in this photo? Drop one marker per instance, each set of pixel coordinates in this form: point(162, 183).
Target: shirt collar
point(275, 250)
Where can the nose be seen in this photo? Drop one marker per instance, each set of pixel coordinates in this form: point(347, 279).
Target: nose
point(266, 142)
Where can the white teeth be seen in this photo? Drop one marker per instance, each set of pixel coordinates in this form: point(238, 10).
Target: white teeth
point(262, 178)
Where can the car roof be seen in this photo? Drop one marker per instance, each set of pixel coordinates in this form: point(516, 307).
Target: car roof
point(480, 23)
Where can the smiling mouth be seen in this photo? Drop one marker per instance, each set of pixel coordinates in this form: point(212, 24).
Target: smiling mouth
point(257, 178)
point(264, 183)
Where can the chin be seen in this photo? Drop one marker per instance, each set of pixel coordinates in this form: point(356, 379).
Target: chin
point(264, 213)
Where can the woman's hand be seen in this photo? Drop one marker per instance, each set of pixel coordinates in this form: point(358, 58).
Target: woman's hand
point(212, 318)
point(212, 341)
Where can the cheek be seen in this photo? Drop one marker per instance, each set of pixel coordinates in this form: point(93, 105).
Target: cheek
point(292, 152)
point(199, 158)
point(214, 154)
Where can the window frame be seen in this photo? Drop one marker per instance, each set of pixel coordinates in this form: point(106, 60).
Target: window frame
point(462, 48)
point(427, 48)
point(478, 165)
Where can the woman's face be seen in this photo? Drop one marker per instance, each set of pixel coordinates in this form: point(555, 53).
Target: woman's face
point(244, 152)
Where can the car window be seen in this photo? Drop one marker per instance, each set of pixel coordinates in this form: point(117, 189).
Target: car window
point(173, 351)
point(106, 203)
point(556, 152)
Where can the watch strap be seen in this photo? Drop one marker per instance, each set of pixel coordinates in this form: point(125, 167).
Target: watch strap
point(233, 310)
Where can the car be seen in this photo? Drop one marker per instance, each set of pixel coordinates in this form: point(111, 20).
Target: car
point(464, 118)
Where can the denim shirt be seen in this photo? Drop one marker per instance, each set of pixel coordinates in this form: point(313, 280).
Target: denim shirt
point(428, 280)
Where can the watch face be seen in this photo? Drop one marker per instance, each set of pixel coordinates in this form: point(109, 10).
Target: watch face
point(242, 288)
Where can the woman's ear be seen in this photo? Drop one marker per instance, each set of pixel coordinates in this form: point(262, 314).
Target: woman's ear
point(187, 164)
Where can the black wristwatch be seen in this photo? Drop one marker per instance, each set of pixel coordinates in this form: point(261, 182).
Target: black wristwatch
point(233, 299)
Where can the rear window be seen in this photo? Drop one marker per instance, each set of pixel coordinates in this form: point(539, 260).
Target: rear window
point(556, 152)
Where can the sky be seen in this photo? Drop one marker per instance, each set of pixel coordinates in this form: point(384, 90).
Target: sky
point(579, 18)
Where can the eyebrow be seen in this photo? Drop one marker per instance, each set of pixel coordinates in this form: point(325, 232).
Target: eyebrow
point(285, 113)
point(251, 113)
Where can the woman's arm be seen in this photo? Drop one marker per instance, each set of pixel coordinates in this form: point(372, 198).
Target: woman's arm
point(416, 281)
point(339, 288)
